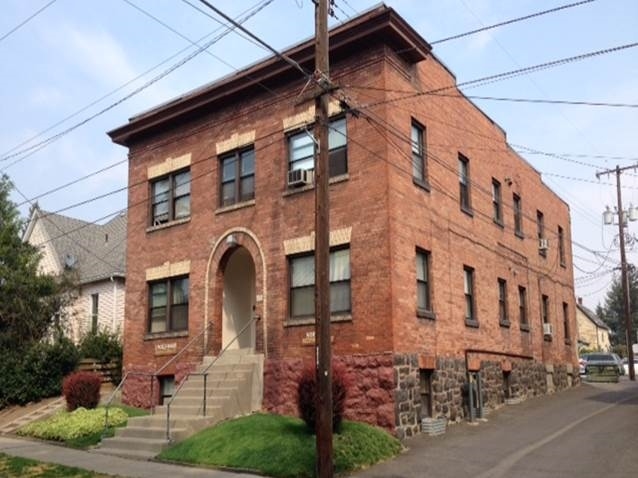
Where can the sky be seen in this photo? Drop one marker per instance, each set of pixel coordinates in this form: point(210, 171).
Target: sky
point(77, 69)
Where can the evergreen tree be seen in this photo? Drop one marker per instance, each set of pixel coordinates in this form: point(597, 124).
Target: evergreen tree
point(614, 311)
point(28, 301)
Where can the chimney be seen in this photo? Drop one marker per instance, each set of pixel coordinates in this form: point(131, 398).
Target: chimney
point(580, 301)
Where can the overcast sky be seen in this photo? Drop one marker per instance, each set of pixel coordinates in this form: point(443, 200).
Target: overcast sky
point(74, 53)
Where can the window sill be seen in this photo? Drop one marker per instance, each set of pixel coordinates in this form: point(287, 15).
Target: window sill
point(504, 323)
point(234, 207)
point(425, 314)
point(166, 335)
point(311, 320)
point(499, 223)
point(543, 255)
point(471, 323)
point(568, 342)
point(421, 183)
point(467, 211)
point(519, 234)
point(563, 265)
point(166, 225)
point(524, 328)
point(547, 338)
point(337, 179)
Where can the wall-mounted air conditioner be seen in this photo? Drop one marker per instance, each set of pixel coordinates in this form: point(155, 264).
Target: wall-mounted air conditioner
point(543, 244)
point(300, 177)
point(547, 329)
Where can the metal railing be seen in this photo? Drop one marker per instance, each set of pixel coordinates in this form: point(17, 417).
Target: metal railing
point(203, 373)
point(152, 376)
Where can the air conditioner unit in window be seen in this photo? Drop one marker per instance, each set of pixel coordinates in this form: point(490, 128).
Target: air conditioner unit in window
point(547, 329)
point(543, 244)
point(300, 177)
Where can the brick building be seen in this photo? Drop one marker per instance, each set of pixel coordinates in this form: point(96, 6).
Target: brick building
point(450, 257)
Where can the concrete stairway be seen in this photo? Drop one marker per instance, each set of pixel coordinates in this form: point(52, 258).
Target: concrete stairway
point(39, 413)
point(233, 389)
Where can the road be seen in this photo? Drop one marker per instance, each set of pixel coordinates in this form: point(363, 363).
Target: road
point(588, 431)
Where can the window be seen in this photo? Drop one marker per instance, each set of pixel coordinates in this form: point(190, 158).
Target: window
point(522, 306)
point(171, 198)
point(423, 294)
point(94, 312)
point(561, 246)
point(301, 148)
point(425, 389)
point(497, 203)
point(464, 183)
point(545, 309)
point(237, 177)
point(419, 167)
point(502, 302)
point(566, 322)
point(168, 305)
point(302, 284)
point(518, 215)
point(468, 289)
point(167, 388)
point(540, 231)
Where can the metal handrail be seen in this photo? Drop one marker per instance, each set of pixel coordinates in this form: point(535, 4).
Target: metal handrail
point(205, 374)
point(153, 376)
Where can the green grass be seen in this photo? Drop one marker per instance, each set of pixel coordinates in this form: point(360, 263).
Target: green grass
point(15, 467)
point(281, 446)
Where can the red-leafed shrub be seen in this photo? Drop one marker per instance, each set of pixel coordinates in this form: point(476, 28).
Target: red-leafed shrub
point(307, 395)
point(81, 389)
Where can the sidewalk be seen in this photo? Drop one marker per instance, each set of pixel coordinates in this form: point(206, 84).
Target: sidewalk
point(105, 464)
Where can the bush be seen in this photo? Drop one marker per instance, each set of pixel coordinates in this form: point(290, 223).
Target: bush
point(307, 395)
point(104, 347)
point(69, 425)
point(82, 389)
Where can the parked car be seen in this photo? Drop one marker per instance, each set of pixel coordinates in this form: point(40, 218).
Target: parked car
point(625, 364)
point(599, 360)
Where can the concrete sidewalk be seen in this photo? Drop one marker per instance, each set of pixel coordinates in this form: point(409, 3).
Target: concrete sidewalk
point(105, 464)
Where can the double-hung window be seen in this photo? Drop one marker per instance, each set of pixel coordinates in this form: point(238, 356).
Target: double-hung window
point(302, 284)
point(540, 229)
point(238, 177)
point(423, 292)
point(468, 290)
point(522, 307)
point(464, 184)
point(301, 148)
point(168, 305)
point(566, 322)
point(171, 198)
point(545, 309)
point(503, 317)
point(561, 246)
point(518, 215)
point(419, 167)
point(497, 203)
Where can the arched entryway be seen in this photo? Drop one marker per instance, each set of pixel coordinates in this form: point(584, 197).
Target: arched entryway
point(238, 300)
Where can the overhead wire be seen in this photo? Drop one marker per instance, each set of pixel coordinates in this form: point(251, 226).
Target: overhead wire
point(26, 20)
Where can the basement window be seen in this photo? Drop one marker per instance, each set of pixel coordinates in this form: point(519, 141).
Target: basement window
point(167, 388)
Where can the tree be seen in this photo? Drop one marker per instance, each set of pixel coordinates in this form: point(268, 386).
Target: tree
point(614, 311)
point(29, 301)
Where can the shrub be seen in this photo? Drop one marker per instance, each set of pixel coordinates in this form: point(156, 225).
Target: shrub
point(307, 395)
point(82, 389)
point(104, 347)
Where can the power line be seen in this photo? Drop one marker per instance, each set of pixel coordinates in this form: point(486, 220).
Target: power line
point(25, 21)
point(509, 22)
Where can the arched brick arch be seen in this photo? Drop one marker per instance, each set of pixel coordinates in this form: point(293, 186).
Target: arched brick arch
point(214, 284)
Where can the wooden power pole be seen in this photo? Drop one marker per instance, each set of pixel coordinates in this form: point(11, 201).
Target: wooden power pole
point(622, 221)
point(322, 247)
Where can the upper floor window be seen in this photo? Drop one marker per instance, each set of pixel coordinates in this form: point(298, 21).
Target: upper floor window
point(302, 284)
point(540, 230)
point(168, 305)
point(301, 148)
point(566, 322)
point(497, 202)
point(518, 215)
point(423, 293)
point(522, 306)
point(503, 317)
point(468, 290)
point(238, 177)
point(464, 184)
point(171, 198)
point(95, 298)
point(545, 309)
point(561, 246)
point(419, 167)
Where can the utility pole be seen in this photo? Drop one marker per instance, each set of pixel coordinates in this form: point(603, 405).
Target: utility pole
point(322, 246)
point(622, 221)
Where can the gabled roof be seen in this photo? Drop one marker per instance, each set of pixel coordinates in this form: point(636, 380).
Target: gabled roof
point(95, 251)
point(593, 317)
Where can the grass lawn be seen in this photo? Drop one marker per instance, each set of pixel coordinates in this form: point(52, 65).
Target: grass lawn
point(281, 446)
point(78, 433)
point(15, 467)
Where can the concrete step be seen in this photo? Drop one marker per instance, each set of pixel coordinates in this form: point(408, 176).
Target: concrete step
point(126, 453)
point(152, 445)
point(198, 401)
point(153, 433)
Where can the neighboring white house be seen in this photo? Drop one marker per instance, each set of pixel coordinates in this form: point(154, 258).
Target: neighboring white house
point(97, 254)
point(593, 332)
